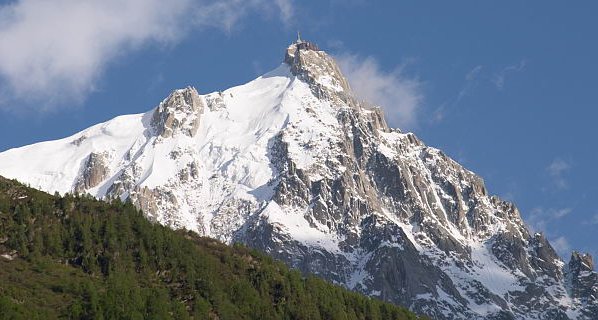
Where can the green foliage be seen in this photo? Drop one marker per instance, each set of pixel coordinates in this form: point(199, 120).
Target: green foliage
point(79, 258)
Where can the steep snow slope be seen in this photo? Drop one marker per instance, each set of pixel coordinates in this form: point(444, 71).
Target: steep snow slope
point(293, 164)
point(55, 165)
point(226, 155)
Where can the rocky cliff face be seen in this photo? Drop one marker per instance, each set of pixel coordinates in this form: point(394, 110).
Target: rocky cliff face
point(293, 164)
point(583, 284)
point(93, 172)
point(178, 114)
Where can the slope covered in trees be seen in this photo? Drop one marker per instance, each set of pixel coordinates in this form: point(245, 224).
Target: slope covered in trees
point(76, 257)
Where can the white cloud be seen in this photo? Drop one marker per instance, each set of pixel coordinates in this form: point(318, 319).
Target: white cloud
point(540, 218)
point(55, 51)
point(556, 170)
point(561, 245)
point(508, 196)
point(226, 14)
point(471, 81)
point(477, 76)
point(594, 219)
point(399, 95)
point(499, 77)
point(438, 114)
point(286, 10)
point(557, 214)
point(473, 73)
point(557, 167)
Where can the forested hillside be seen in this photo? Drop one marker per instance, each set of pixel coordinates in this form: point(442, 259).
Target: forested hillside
point(80, 258)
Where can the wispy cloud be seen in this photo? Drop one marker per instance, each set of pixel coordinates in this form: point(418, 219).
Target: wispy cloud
point(399, 95)
point(513, 190)
point(471, 80)
point(286, 9)
point(55, 51)
point(478, 75)
point(540, 218)
point(557, 170)
point(562, 246)
point(499, 77)
point(557, 167)
point(225, 14)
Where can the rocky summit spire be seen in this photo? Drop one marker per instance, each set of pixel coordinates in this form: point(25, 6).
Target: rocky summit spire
point(319, 70)
point(581, 262)
point(584, 283)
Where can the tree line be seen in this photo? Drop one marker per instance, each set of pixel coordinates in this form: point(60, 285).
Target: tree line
point(75, 257)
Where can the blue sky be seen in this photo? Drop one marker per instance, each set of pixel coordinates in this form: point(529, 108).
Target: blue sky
point(509, 90)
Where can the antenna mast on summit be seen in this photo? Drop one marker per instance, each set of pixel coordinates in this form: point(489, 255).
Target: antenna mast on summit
point(298, 36)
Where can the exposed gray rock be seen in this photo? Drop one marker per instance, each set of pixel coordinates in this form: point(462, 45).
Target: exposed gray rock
point(584, 283)
point(79, 140)
point(454, 221)
point(179, 112)
point(413, 226)
point(319, 70)
point(145, 199)
point(95, 169)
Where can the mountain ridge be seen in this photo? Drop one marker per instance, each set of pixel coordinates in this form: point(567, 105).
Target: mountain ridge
point(293, 164)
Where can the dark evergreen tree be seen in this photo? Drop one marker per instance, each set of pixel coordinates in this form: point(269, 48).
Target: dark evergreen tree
point(79, 258)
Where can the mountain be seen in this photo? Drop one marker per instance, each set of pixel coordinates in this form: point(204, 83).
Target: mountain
point(80, 258)
point(294, 164)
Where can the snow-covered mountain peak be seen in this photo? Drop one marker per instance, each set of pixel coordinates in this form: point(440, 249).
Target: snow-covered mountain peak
point(320, 71)
point(293, 164)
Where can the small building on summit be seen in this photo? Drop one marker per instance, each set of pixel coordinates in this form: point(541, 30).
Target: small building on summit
point(303, 44)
